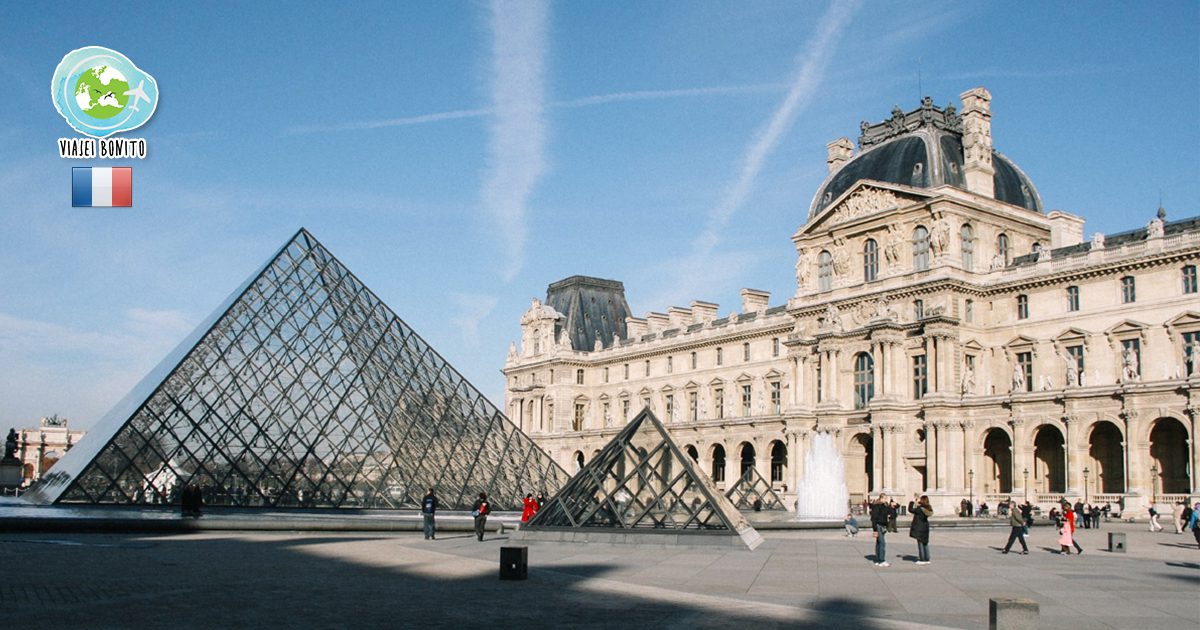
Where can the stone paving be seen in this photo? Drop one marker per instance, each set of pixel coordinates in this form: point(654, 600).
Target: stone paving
point(797, 579)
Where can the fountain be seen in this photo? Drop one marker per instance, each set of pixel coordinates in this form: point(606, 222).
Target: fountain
point(822, 494)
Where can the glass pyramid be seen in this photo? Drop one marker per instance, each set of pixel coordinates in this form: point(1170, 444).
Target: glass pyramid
point(641, 480)
point(750, 488)
point(303, 390)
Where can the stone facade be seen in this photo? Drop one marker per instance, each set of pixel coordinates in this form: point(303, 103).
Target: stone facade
point(956, 344)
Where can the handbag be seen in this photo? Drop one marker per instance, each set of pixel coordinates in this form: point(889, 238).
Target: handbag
point(475, 513)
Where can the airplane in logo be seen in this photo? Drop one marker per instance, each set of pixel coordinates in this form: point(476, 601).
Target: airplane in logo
point(137, 93)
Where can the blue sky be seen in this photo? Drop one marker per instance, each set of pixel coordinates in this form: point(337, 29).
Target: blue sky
point(460, 156)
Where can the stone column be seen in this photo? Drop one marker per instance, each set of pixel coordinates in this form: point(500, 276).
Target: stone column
point(897, 454)
point(931, 468)
point(968, 451)
point(943, 439)
point(1193, 410)
point(931, 367)
point(879, 454)
point(1021, 458)
point(1068, 458)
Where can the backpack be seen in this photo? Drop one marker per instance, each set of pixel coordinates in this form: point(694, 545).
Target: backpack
point(427, 505)
point(1187, 514)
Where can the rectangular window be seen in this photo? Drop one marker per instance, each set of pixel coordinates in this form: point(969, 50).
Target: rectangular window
point(820, 385)
point(624, 411)
point(1133, 347)
point(670, 407)
point(1189, 279)
point(670, 365)
point(745, 352)
point(776, 398)
point(1075, 355)
point(627, 371)
point(579, 377)
point(1128, 294)
point(1022, 307)
point(920, 377)
point(605, 375)
point(693, 410)
point(919, 309)
point(720, 356)
point(1072, 299)
point(745, 401)
point(719, 398)
point(607, 414)
point(577, 422)
point(970, 309)
point(1025, 360)
point(693, 360)
point(1191, 352)
point(775, 346)
point(646, 402)
point(647, 366)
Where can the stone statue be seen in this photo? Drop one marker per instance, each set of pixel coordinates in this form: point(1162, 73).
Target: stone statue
point(968, 381)
point(803, 269)
point(1018, 378)
point(832, 320)
point(1130, 370)
point(512, 351)
point(891, 246)
point(1154, 229)
point(1072, 372)
point(997, 262)
point(599, 345)
point(841, 257)
point(939, 241)
point(1098, 240)
point(10, 445)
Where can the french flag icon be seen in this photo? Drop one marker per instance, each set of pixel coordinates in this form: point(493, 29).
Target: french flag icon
point(102, 187)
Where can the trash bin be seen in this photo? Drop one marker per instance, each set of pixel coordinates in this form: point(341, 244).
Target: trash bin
point(514, 563)
point(1116, 542)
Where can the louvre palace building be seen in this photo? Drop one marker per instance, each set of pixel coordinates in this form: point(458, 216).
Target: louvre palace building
point(954, 337)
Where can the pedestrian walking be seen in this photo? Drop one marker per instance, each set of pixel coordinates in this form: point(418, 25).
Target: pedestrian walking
point(1080, 515)
point(893, 512)
point(1154, 524)
point(480, 511)
point(1016, 522)
point(541, 500)
point(851, 525)
point(919, 529)
point(1027, 515)
point(1096, 516)
point(429, 506)
point(1066, 537)
point(879, 523)
point(1194, 523)
point(530, 508)
point(1177, 516)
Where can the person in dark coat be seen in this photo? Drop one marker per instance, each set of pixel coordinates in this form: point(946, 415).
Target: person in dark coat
point(480, 511)
point(919, 529)
point(192, 500)
point(893, 512)
point(429, 506)
point(879, 523)
point(1017, 521)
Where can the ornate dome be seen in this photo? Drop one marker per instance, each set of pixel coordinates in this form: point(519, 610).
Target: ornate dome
point(924, 149)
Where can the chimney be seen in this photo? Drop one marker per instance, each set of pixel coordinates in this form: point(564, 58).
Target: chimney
point(754, 300)
point(703, 312)
point(658, 321)
point(977, 141)
point(636, 328)
point(1065, 229)
point(838, 153)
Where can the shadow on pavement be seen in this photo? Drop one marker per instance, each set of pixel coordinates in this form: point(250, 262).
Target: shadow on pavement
point(278, 580)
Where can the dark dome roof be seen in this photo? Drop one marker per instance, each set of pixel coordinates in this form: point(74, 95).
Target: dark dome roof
point(923, 149)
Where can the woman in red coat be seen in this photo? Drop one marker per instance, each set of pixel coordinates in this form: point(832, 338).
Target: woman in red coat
point(1066, 538)
point(531, 508)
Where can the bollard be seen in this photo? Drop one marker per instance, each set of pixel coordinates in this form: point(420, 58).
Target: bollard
point(1012, 614)
point(1116, 542)
point(514, 563)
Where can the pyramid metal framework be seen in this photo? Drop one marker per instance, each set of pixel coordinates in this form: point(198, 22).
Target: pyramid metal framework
point(642, 481)
point(753, 487)
point(303, 390)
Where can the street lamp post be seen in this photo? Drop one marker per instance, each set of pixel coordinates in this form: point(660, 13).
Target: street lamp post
point(1153, 484)
point(971, 489)
point(1085, 484)
point(1026, 474)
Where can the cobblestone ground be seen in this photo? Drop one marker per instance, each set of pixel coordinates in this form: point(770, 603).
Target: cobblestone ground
point(812, 579)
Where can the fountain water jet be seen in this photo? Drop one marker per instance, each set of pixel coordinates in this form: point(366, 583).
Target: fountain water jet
point(822, 495)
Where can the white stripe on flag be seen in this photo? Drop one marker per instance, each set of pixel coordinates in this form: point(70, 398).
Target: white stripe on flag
point(102, 186)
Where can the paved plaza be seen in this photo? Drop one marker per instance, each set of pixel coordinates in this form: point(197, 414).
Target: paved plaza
point(800, 579)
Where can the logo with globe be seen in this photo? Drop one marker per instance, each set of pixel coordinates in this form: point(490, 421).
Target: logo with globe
point(100, 92)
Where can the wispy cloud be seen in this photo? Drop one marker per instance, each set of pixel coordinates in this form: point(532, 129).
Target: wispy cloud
point(471, 309)
point(582, 101)
point(517, 135)
point(1014, 73)
point(810, 71)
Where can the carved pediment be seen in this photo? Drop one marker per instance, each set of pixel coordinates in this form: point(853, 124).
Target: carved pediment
point(865, 198)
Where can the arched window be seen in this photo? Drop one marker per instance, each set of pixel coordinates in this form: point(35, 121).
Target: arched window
point(824, 271)
point(778, 461)
point(1002, 247)
point(870, 260)
point(718, 463)
point(920, 245)
point(864, 380)
point(747, 463)
point(968, 246)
